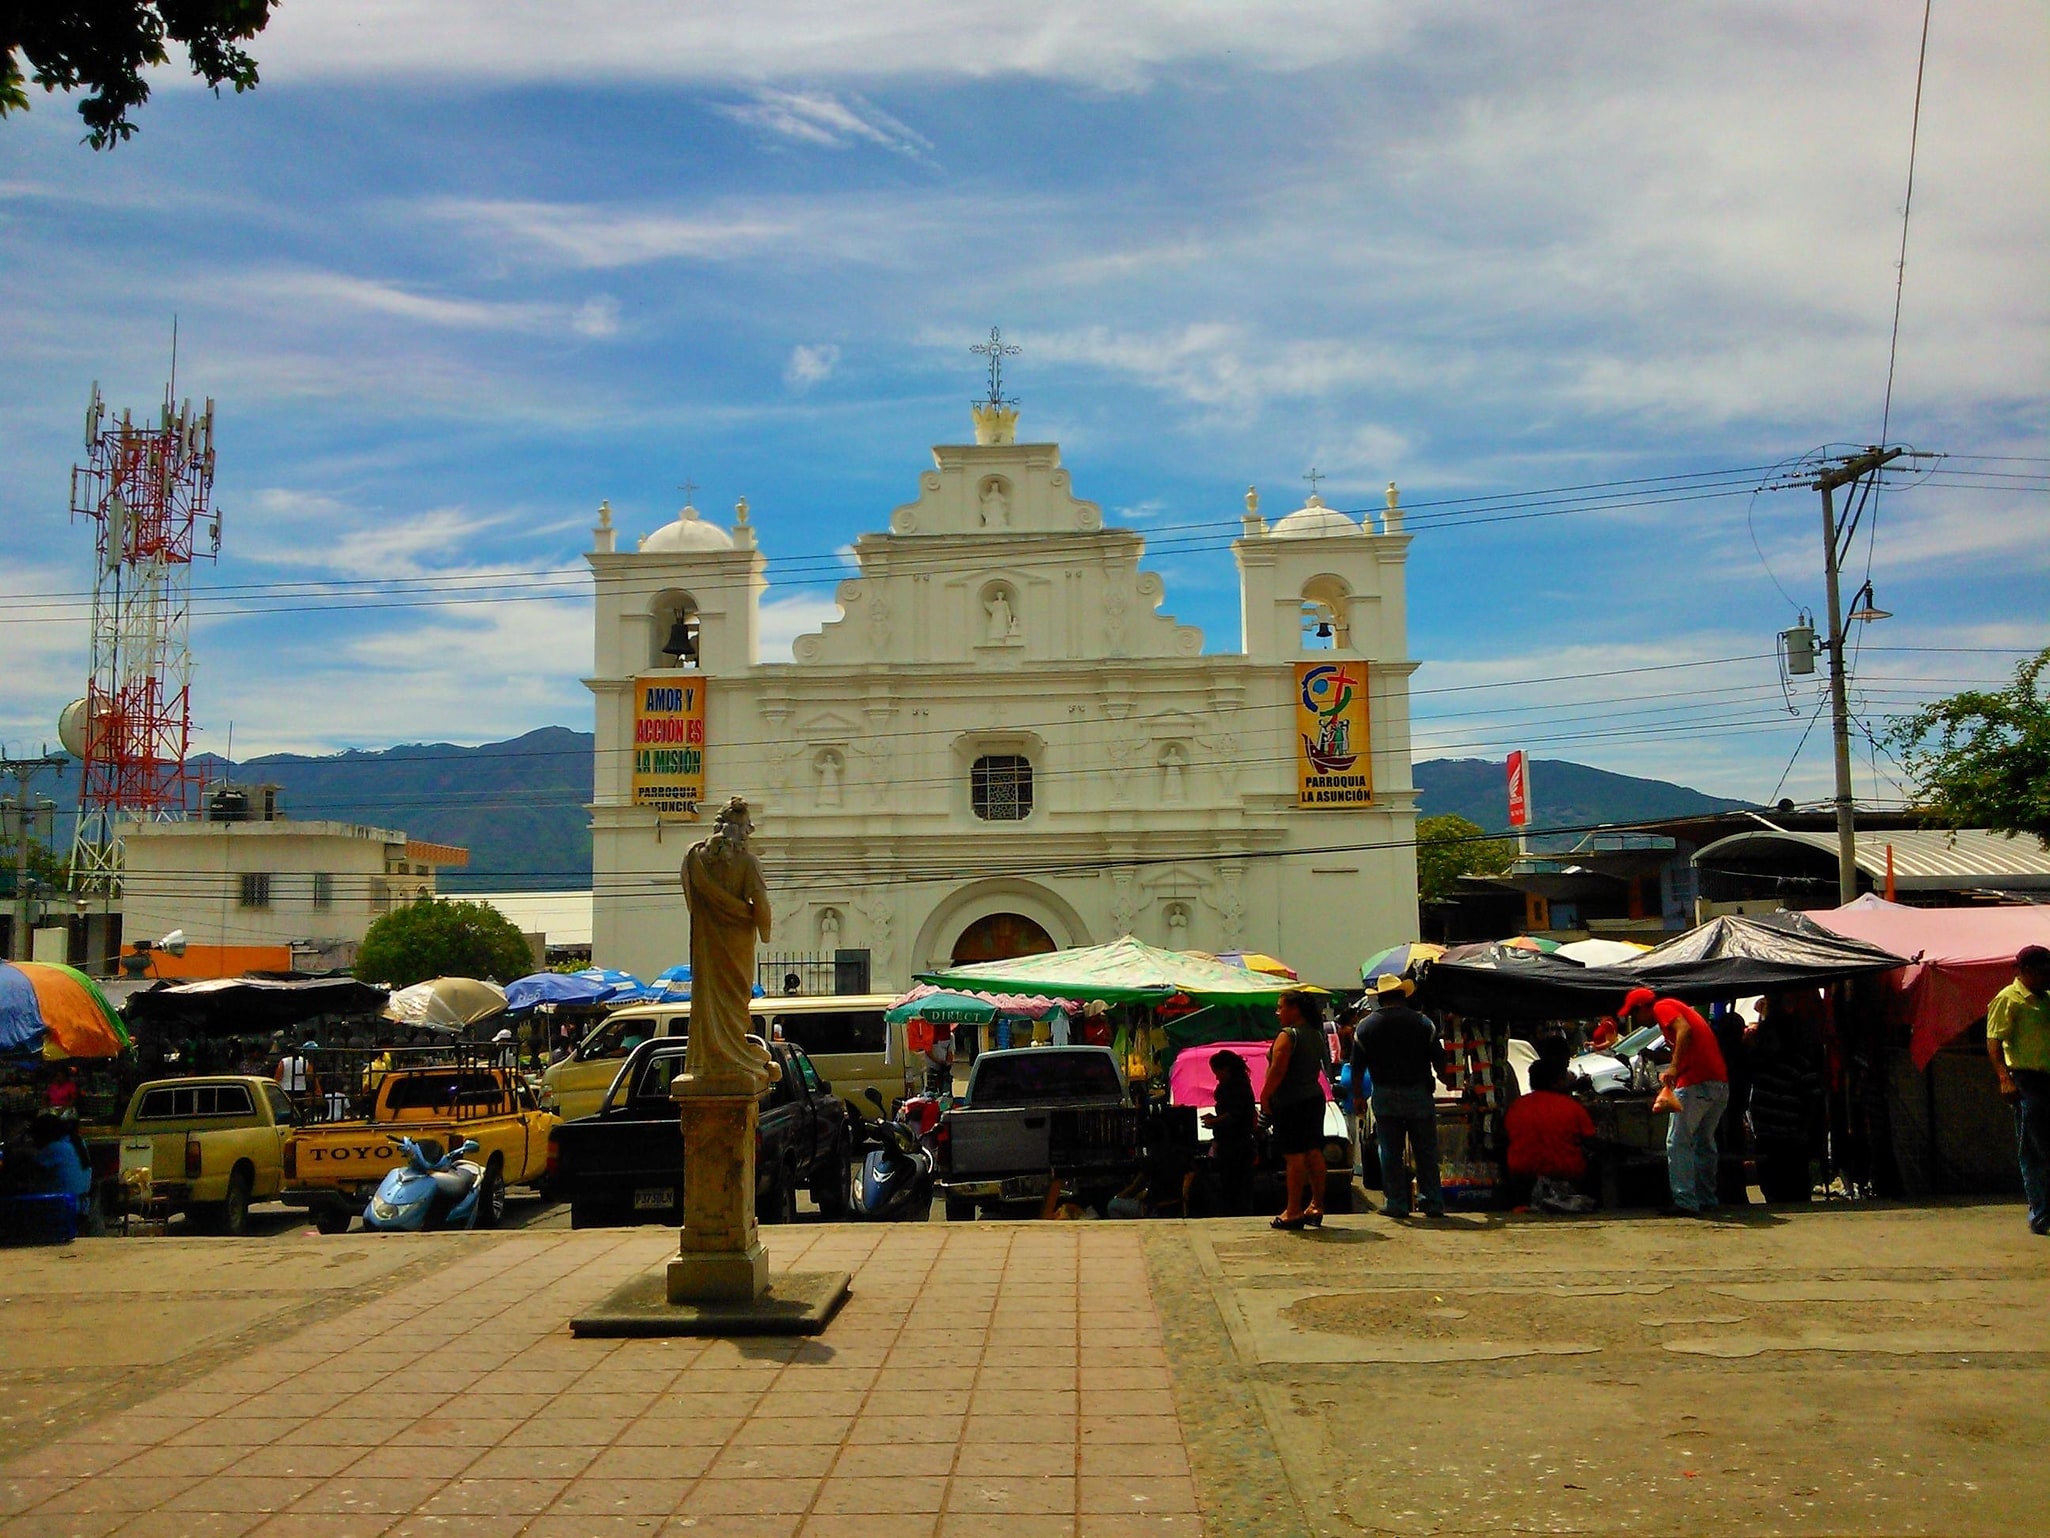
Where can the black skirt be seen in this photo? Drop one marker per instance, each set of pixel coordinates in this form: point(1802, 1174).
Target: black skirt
point(1298, 1128)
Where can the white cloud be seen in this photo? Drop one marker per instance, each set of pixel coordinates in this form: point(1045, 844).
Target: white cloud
point(827, 121)
point(599, 237)
point(597, 317)
point(810, 364)
point(1118, 47)
point(783, 620)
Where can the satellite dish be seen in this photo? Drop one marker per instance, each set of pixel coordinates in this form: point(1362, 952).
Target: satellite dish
point(71, 724)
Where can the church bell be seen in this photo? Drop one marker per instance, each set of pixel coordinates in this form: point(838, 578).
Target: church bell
point(682, 643)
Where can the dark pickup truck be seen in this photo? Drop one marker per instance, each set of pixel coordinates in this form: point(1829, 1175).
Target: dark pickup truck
point(624, 1164)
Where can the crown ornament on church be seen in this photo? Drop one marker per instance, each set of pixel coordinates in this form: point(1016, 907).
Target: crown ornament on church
point(996, 418)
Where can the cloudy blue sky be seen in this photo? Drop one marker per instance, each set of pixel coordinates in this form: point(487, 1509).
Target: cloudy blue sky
point(461, 268)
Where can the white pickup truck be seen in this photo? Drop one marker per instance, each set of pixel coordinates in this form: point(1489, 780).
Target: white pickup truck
point(1029, 1115)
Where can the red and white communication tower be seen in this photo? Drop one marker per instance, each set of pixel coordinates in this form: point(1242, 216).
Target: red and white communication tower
point(148, 491)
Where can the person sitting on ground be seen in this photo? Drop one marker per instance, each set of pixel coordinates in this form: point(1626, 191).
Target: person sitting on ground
point(1549, 1135)
point(1399, 1048)
point(1293, 1101)
point(60, 1158)
point(1232, 1121)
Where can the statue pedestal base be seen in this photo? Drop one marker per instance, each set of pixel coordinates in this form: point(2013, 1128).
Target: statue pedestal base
point(720, 1258)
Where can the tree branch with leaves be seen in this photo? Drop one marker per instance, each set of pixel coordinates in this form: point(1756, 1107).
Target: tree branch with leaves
point(105, 48)
point(1981, 759)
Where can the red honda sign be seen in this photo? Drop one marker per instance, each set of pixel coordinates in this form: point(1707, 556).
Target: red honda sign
point(1519, 790)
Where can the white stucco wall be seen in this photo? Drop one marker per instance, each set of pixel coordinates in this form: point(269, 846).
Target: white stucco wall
point(1165, 800)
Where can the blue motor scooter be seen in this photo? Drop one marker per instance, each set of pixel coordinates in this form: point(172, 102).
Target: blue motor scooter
point(434, 1188)
point(896, 1173)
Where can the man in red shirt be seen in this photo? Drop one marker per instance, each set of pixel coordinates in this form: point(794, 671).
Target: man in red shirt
point(1701, 1085)
point(1548, 1133)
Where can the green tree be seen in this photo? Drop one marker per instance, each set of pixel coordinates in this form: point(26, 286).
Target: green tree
point(433, 938)
point(1980, 759)
point(1450, 847)
point(102, 47)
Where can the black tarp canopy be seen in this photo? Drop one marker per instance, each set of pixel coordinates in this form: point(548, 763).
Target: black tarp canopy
point(1726, 958)
point(250, 1006)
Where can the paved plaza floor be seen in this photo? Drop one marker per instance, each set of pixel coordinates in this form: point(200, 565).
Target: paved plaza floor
point(1835, 1371)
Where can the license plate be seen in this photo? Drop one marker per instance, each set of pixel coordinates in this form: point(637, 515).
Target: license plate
point(654, 1198)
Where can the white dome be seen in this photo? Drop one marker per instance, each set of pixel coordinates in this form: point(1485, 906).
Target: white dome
point(1313, 520)
point(689, 532)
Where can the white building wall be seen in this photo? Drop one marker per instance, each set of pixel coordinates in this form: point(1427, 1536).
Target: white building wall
point(1165, 777)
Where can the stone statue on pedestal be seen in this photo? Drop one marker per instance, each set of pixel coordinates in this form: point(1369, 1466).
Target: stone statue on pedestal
point(729, 910)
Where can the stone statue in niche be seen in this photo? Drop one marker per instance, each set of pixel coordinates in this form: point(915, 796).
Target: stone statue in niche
point(1177, 927)
point(996, 505)
point(729, 909)
point(829, 929)
point(1002, 628)
point(1174, 764)
point(830, 767)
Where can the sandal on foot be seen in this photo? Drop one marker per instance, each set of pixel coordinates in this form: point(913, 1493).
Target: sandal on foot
point(1313, 1219)
point(1291, 1225)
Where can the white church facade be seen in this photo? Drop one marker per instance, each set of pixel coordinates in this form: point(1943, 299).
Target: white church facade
point(1003, 744)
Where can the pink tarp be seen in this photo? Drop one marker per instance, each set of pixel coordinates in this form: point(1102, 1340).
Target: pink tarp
point(1962, 957)
point(1191, 1081)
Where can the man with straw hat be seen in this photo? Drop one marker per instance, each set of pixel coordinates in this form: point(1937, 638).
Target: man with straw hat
point(1399, 1046)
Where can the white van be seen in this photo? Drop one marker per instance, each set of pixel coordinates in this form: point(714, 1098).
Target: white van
point(846, 1036)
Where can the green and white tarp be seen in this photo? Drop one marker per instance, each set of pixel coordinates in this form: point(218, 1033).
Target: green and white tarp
point(1126, 971)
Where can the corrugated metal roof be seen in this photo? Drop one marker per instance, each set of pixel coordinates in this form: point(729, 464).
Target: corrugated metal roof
point(1923, 859)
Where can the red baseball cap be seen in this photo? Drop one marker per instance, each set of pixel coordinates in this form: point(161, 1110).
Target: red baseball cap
point(1636, 999)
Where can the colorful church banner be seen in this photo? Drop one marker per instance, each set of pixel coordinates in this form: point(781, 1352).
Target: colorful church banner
point(669, 744)
point(1334, 767)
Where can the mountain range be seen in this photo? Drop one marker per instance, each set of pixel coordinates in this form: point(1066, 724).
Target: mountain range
point(518, 806)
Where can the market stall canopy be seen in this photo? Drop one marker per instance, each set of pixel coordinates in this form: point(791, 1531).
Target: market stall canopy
point(55, 1012)
point(1735, 955)
point(1124, 971)
point(1502, 982)
point(448, 1003)
point(1962, 957)
point(1192, 1081)
point(1726, 958)
point(1257, 961)
point(251, 1006)
point(942, 1007)
point(1602, 953)
point(672, 986)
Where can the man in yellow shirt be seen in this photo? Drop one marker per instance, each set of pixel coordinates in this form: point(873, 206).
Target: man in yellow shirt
point(2018, 1042)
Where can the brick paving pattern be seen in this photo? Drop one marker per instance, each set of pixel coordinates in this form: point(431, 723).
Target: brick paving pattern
point(1008, 1381)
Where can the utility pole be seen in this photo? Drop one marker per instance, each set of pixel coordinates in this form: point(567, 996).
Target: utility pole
point(1844, 472)
point(24, 770)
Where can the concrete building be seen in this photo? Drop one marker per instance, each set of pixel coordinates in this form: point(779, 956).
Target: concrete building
point(267, 894)
point(1002, 744)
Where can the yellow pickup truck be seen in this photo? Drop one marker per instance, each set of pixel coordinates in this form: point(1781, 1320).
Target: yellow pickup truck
point(209, 1146)
point(331, 1168)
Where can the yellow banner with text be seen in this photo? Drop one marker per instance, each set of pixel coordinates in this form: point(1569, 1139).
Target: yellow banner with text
point(669, 744)
point(1334, 765)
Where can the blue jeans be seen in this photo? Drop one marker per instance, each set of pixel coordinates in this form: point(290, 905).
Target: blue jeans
point(1411, 1114)
point(2032, 1142)
point(1690, 1145)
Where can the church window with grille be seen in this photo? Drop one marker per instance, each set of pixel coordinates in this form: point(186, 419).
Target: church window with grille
point(1000, 787)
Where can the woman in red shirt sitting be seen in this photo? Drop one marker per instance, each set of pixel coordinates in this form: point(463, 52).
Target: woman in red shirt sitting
point(1549, 1133)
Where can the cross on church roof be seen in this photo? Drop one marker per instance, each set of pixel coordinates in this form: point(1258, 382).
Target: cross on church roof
point(687, 488)
point(1314, 477)
point(996, 351)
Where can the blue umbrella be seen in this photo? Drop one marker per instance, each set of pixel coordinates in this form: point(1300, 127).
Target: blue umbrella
point(671, 986)
point(615, 987)
point(593, 985)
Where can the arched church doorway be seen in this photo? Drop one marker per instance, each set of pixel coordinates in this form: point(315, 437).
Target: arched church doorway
point(999, 937)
